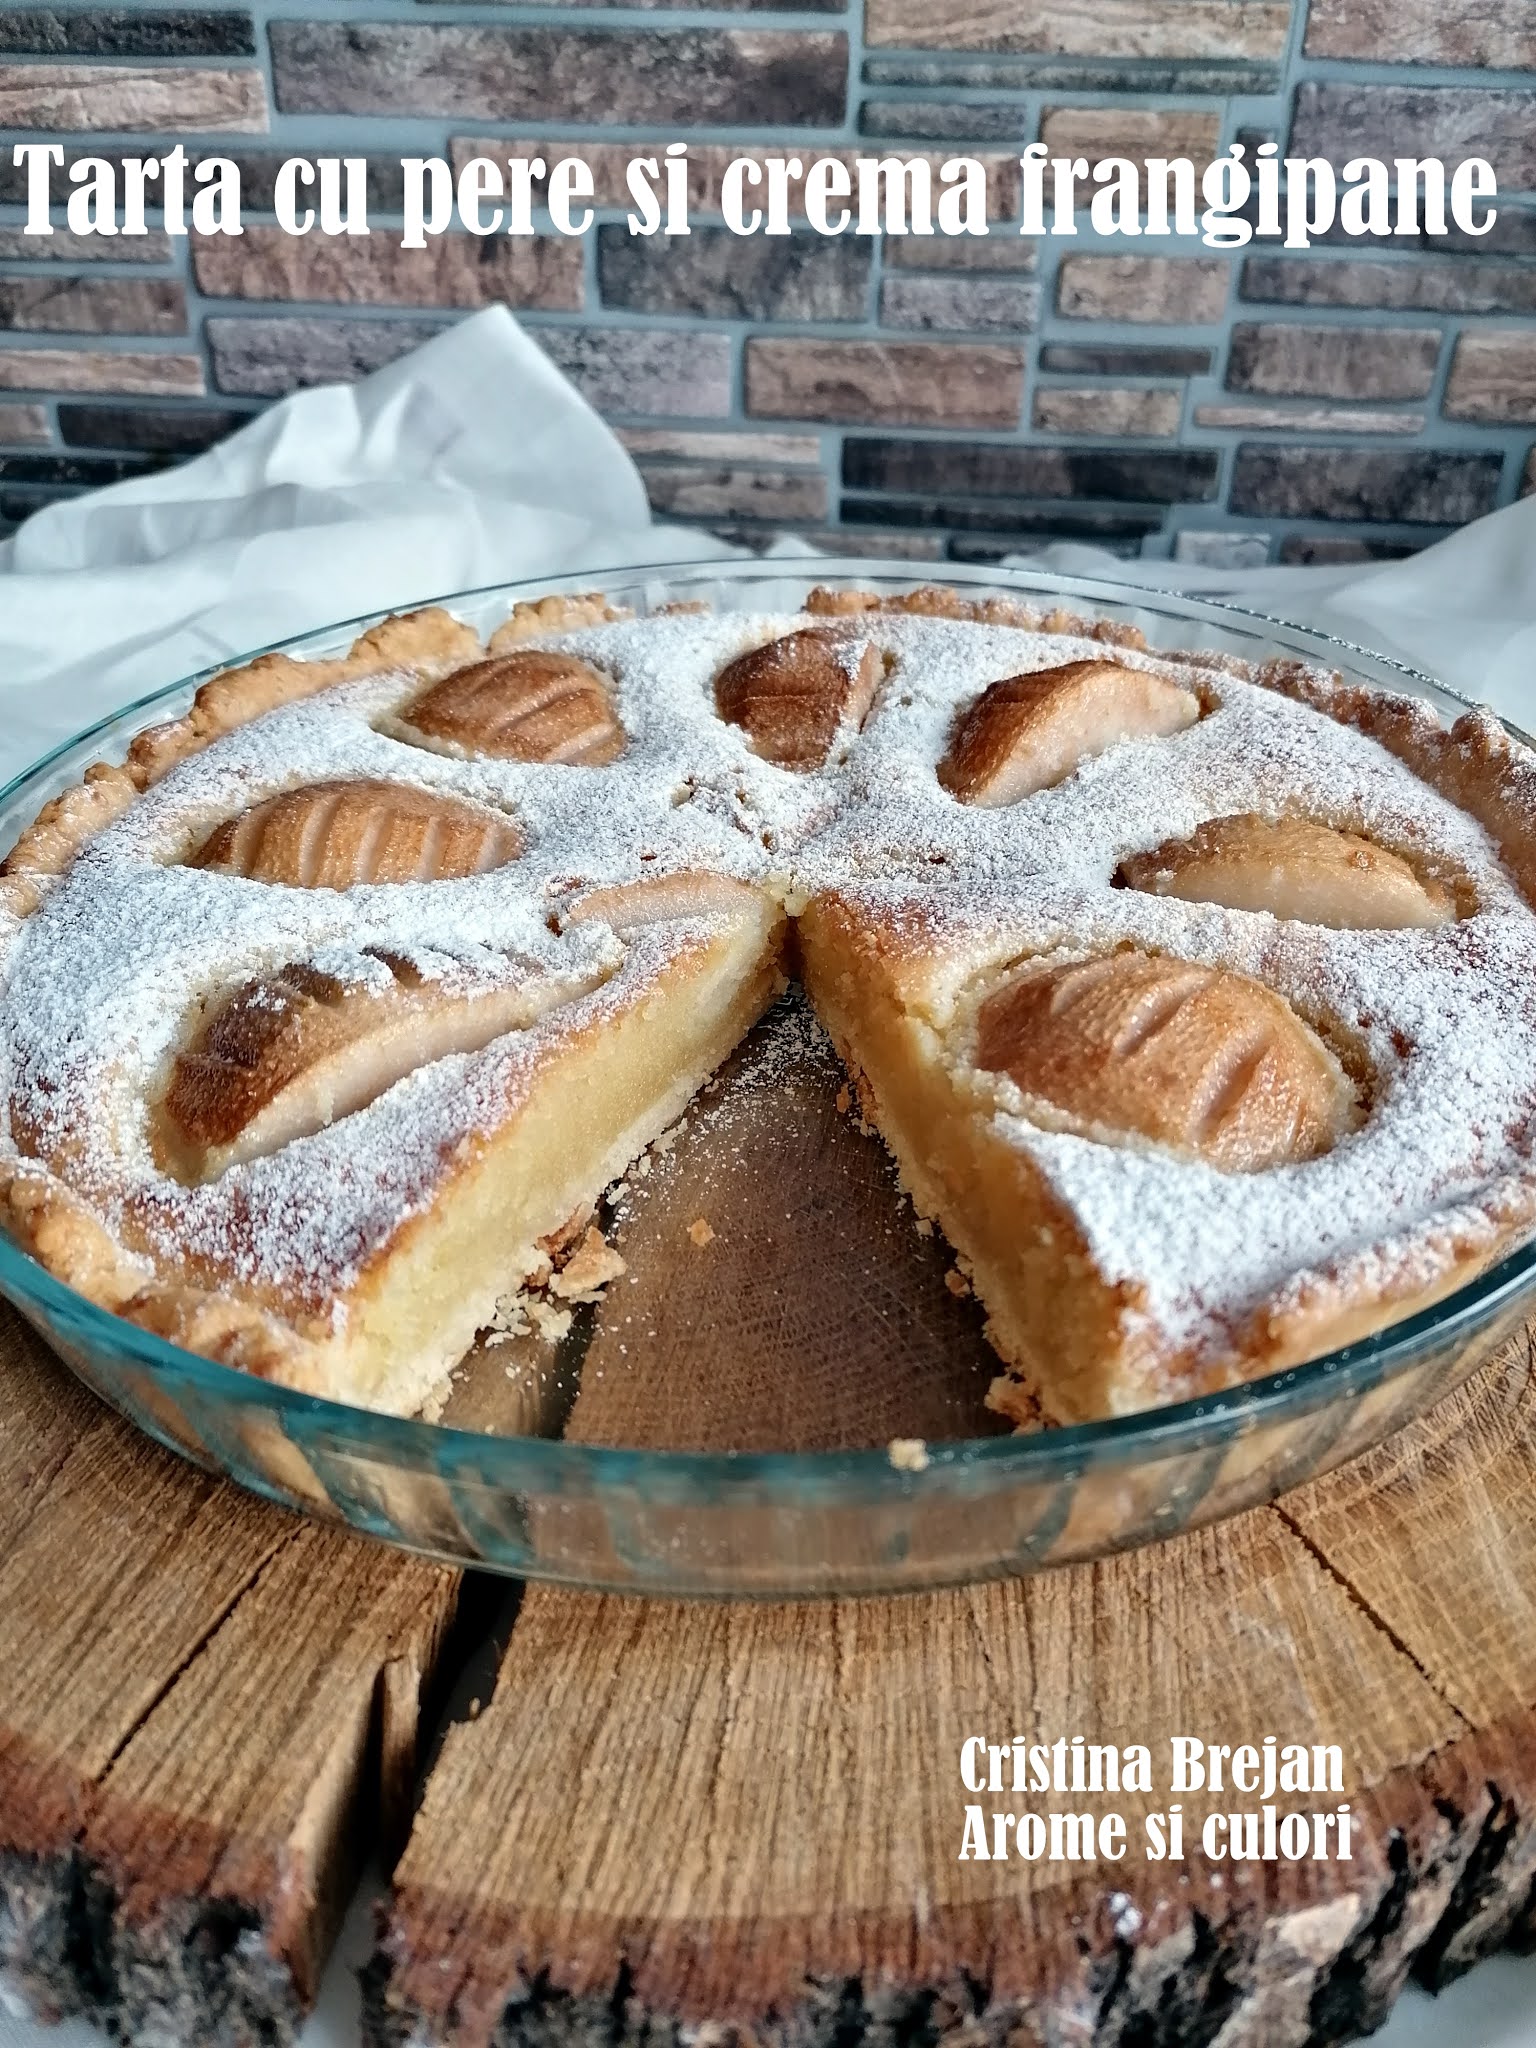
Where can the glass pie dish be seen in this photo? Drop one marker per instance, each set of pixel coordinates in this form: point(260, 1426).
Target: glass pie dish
point(797, 1495)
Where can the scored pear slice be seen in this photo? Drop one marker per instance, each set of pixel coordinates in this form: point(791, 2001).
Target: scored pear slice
point(529, 705)
point(336, 835)
point(288, 1053)
point(794, 695)
point(1200, 1059)
point(1027, 733)
point(1293, 868)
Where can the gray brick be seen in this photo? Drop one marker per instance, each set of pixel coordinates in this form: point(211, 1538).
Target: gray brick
point(948, 120)
point(1113, 28)
point(1124, 359)
point(81, 369)
point(158, 430)
point(16, 246)
point(681, 491)
point(1528, 475)
point(1288, 360)
point(1493, 376)
point(1107, 409)
point(712, 272)
point(677, 372)
point(995, 468)
point(1463, 35)
point(453, 270)
point(1215, 80)
point(93, 305)
point(267, 357)
point(23, 425)
point(903, 383)
point(1032, 523)
point(90, 470)
point(177, 100)
point(1370, 485)
point(1212, 549)
point(676, 78)
point(1446, 121)
point(126, 32)
point(999, 250)
point(1308, 419)
point(896, 545)
point(1183, 291)
point(1418, 284)
point(979, 305)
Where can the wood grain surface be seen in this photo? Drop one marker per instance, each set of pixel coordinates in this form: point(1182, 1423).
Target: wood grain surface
point(208, 1711)
point(709, 1824)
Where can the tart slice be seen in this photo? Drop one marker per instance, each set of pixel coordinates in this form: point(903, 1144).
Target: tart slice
point(977, 1071)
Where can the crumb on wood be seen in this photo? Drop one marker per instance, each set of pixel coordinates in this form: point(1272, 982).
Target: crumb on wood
point(474, 1710)
point(957, 1283)
point(924, 1227)
point(701, 1232)
point(908, 1453)
point(844, 1099)
point(588, 1270)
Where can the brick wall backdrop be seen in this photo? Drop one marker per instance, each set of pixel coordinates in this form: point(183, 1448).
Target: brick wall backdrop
point(922, 398)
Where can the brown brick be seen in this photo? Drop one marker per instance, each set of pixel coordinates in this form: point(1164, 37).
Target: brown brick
point(93, 305)
point(172, 101)
point(1493, 376)
point(1307, 419)
point(693, 444)
point(1110, 28)
point(1386, 487)
point(453, 270)
point(678, 372)
point(1183, 291)
point(1461, 34)
point(266, 357)
point(1288, 360)
point(960, 304)
point(711, 272)
point(1134, 132)
point(997, 251)
point(1423, 284)
point(683, 491)
point(16, 246)
point(1108, 409)
point(59, 369)
point(707, 162)
point(903, 383)
point(1446, 121)
point(23, 425)
point(677, 78)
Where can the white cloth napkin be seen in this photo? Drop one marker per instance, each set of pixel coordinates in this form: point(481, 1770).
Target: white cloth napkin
point(472, 461)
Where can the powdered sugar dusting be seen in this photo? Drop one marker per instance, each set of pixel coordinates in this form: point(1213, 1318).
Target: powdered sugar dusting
point(102, 980)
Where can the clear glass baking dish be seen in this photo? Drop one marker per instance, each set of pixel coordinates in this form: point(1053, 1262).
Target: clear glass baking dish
point(514, 1497)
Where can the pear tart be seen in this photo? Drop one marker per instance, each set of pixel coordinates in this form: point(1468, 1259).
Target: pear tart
point(1195, 1002)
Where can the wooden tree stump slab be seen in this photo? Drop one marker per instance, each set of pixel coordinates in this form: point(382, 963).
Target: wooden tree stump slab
point(716, 1824)
point(207, 1711)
